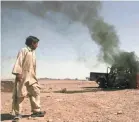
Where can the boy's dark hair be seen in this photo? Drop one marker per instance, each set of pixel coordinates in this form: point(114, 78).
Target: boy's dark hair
point(31, 39)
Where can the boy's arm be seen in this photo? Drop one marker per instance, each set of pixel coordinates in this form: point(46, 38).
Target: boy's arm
point(17, 69)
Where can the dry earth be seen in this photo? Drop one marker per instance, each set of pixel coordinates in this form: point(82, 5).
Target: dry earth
point(79, 101)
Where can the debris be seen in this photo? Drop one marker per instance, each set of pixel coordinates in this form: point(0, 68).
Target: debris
point(63, 90)
point(119, 112)
point(34, 118)
point(29, 117)
point(50, 120)
point(50, 88)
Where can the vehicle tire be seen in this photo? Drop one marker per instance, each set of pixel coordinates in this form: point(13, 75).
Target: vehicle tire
point(101, 82)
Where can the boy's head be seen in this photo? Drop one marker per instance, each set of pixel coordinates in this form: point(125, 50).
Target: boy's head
point(32, 42)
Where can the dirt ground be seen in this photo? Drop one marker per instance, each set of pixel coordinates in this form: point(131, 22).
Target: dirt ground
point(78, 101)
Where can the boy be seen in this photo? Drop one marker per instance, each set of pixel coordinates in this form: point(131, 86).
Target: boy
point(26, 82)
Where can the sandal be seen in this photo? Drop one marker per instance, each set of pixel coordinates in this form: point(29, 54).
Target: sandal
point(17, 118)
point(38, 114)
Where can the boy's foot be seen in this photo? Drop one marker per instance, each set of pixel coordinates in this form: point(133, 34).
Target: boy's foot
point(38, 114)
point(17, 118)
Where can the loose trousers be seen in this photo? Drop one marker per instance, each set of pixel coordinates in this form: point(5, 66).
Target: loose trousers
point(34, 96)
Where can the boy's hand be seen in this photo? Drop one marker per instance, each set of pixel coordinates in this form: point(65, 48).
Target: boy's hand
point(19, 77)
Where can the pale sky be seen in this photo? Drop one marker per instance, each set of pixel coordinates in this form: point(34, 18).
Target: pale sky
point(65, 51)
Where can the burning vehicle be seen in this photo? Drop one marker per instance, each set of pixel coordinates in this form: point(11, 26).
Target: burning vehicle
point(122, 74)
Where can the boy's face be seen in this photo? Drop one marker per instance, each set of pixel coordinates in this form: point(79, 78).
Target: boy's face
point(34, 45)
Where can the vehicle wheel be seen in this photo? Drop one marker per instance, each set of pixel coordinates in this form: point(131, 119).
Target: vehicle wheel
point(101, 82)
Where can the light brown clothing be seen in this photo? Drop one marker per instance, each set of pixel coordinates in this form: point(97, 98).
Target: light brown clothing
point(34, 96)
point(26, 65)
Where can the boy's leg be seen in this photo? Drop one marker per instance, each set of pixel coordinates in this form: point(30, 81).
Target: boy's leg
point(35, 103)
point(18, 108)
point(34, 95)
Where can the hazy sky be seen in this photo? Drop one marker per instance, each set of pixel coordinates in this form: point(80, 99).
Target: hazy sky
point(65, 50)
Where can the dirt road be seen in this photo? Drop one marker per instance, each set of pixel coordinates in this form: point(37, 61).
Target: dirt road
point(79, 101)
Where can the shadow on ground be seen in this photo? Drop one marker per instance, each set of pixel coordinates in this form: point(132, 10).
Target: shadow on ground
point(104, 89)
point(87, 89)
point(7, 116)
point(77, 91)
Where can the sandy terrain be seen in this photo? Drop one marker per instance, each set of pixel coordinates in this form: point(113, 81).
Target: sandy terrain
point(80, 101)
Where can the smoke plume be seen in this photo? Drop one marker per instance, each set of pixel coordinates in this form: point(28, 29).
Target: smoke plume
point(88, 13)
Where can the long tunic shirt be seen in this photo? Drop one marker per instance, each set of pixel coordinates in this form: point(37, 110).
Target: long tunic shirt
point(26, 65)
